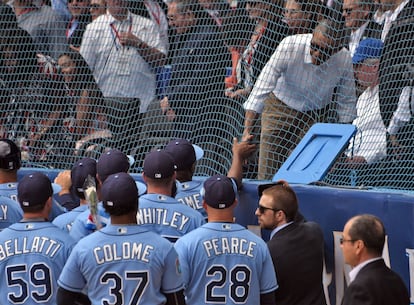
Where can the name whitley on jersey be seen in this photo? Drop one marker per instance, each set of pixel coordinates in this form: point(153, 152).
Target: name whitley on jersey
point(160, 216)
point(39, 244)
point(226, 245)
point(3, 212)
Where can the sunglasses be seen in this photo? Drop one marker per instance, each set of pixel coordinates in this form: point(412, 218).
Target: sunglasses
point(263, 209)
point(348, 11)
point(77, 1)
point(291, 12)
point(95, 6)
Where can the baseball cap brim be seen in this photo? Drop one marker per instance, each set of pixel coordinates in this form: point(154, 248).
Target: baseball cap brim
point(131, 160)
point(56, 188)
point(142, 188)
point(356, 59)
point(199, 152)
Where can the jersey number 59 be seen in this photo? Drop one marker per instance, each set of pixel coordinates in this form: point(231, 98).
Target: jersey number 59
point(37, 283)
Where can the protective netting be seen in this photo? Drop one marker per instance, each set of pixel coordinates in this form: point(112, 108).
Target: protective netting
point(210, 71)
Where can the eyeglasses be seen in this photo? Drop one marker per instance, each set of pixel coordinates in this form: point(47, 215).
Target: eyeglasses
point(95, 6)
point(172, 18)
point(263, 209)
point(77, 1)
point(291, 12)
point(343, 240)
point(349, 10)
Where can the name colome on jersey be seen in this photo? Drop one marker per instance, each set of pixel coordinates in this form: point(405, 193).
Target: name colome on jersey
point(123, 251)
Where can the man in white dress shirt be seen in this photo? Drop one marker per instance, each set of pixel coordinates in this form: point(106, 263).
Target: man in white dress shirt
point(122, 49)
point(295, 90)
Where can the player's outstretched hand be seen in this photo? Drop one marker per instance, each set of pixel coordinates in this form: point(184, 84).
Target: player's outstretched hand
point(243, 149)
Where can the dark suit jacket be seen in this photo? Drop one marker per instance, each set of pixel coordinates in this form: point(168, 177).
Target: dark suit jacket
point(297, 254)
point(397, 61)
point(373, 30)
point(376, 284)
point(76, 38)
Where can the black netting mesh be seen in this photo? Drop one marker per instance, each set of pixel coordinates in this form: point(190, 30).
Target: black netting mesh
point(74, 84)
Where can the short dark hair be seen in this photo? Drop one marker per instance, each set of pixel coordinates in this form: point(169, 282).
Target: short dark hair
point(370, 230)
point(333, 30)
point(283, 198)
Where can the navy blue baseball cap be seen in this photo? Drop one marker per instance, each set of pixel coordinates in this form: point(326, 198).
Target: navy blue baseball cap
point(34, 189)
point(79, 172)
point(219, 191)
point(184, 153)
point(367, 48)
point(119, 191)
point(10, 155)
point(159, 164)
point(112, 162)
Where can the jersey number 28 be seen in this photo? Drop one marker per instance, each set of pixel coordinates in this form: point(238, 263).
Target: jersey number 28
point(239, 278)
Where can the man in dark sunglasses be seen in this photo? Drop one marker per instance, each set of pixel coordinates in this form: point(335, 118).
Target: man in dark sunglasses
point(307, 75)
point(296, 247)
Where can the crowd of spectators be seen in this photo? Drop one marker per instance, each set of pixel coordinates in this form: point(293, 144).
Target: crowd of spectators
point(267, 69)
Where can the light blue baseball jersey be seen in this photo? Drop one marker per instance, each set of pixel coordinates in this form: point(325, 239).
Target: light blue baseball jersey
point(123, 264)
point(10, 212)
point(83, 225)
point(10, 190)
point(66, 220)
point(224, 263)
point(167, 217)
point(188, 193)
point(32, 256)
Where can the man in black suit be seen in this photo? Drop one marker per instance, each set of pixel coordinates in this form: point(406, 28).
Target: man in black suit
point(296, 246)
point(371, 281)
point(397, 73)
point(397, 57)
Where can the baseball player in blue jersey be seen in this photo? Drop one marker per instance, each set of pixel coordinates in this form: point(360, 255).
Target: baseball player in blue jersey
point(78, 174)
point(185, 156)
point(110, 162)
point(10, 212)
point(123, 263)
point(10, 163)
point(159, 212)
point(222, 262)
point(33, 251)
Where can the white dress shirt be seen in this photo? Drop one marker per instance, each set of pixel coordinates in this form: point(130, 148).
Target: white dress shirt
point(404, 110)
point(354, 272)
point(121, 71)
point(293, 79)
point(370, 140)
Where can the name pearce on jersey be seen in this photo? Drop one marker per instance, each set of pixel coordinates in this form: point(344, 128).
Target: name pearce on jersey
point(226, 245)
point(125, 251)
